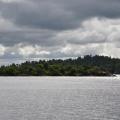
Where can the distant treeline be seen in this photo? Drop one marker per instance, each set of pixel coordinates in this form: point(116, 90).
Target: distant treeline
point(82, 66)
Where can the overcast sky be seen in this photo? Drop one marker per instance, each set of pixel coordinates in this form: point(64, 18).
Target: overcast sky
point(58, 29)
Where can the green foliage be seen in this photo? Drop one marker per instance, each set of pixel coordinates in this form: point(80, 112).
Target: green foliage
point(82, 66)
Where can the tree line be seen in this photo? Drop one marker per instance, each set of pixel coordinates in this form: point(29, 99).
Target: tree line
point(81, 66)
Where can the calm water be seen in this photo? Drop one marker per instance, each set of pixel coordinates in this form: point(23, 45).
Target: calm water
point(60, 98)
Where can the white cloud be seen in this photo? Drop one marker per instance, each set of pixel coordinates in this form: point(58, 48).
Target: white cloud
point(95, 36)
point(2, 50)
point(26, 51)
point(66, 50)
point(29, 50)
point(42, 52)
point(93, 30)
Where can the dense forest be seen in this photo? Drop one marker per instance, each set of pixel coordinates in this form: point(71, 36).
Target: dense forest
point(81, 66)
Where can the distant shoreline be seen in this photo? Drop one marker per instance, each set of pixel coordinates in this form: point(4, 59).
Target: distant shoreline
point(63, 76)
point(88, 65)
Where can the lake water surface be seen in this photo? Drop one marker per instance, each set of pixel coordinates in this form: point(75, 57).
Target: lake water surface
point(60, 98)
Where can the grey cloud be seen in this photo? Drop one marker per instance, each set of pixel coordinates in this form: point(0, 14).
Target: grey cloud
point(88, 39)
point(42, 38)
point(59, 28)
point(38, 15)
point(57, 14)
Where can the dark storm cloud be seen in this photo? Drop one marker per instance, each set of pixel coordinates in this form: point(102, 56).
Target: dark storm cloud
point(38, 15)
point(57, 14)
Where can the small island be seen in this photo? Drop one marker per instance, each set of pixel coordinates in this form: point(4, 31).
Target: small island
point(81, 66)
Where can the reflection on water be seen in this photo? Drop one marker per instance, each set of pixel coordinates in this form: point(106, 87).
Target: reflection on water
point(60, 98)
